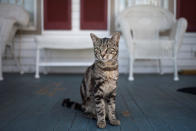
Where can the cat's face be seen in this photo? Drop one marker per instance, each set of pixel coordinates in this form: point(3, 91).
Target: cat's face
point(106, 49)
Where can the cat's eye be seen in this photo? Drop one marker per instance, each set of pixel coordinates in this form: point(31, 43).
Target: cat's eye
point(112, 51)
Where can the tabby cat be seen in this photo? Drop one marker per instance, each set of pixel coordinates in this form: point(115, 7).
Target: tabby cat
point(98, 87)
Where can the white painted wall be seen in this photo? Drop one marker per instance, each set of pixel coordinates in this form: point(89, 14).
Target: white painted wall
point(25, 49)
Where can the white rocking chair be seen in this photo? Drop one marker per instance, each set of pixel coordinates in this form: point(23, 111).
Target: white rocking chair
point(11, 18)
point(142, 27)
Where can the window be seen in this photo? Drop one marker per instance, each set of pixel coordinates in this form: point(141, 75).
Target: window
point(57, 14)
point(187, 9)
point(93, 14)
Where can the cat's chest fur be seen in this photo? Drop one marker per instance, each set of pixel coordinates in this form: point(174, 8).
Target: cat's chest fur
point(110, 78)
point(110, 75)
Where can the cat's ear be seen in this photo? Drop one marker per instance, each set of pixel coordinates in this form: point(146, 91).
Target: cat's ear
point(115, 37)
point(94, 37)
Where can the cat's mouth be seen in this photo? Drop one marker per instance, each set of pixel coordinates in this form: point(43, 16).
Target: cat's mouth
point(105, 60)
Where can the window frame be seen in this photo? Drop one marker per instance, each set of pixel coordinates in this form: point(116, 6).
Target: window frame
point(76, 29)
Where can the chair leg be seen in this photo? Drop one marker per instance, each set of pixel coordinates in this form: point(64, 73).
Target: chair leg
point(37, 64)
point(45, 69)
point(176, 78)
point(1, 74)
point(160, 67)
point(17, 60)
point(131, 62)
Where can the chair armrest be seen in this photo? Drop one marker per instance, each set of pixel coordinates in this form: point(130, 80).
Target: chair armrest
point(126, 32)
point(178, 32)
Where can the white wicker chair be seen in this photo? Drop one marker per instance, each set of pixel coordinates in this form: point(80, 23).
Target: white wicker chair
point(11, 18)
point(142, 27)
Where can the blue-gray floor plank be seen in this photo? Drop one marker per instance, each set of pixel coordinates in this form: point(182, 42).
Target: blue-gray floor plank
point(162, 110)
point(151, 102)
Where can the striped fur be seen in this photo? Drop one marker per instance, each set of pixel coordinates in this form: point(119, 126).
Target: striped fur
point(98, 87)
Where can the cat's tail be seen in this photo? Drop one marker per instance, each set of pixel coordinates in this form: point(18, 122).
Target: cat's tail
point(71, 104)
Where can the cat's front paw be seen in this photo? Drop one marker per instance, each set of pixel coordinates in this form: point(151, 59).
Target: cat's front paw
point(115, 122)
point(101, 124)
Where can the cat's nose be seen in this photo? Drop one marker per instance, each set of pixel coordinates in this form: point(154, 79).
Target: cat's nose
point(102, 54)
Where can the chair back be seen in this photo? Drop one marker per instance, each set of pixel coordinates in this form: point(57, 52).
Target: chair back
point(14, 12)
point(146, 21)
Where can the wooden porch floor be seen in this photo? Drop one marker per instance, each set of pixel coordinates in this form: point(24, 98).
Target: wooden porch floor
point(149, 103)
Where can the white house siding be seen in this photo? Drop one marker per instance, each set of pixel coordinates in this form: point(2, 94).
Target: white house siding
point(25, 49)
